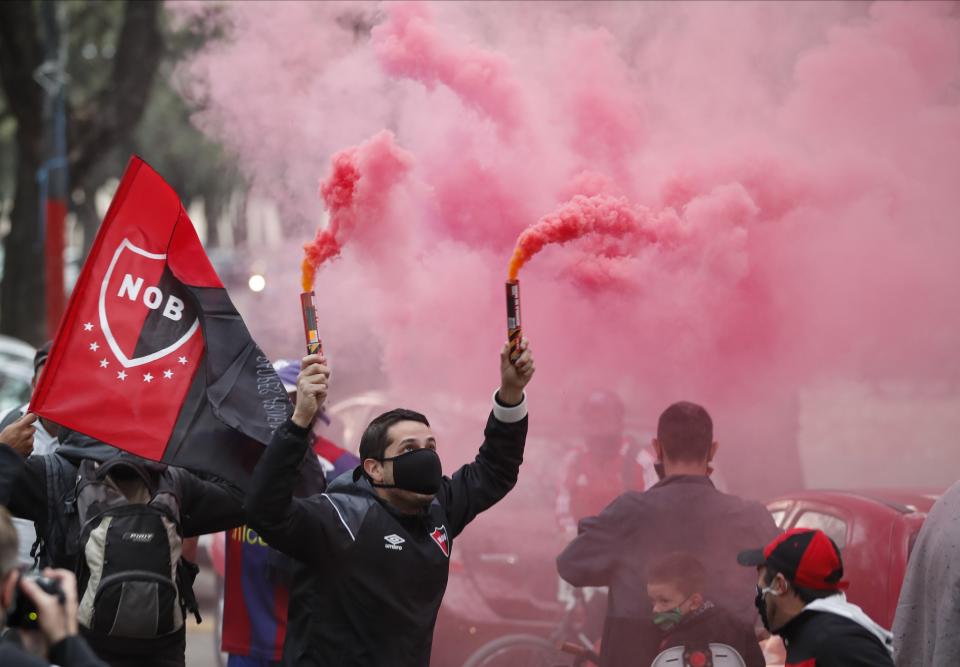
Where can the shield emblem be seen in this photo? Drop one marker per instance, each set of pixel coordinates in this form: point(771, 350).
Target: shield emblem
point(439, 537)
point(145, 312)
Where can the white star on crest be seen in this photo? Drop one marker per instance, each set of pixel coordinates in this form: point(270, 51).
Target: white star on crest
point(147, 377)
point(168, 374)
point(104, 363)
point(121, 375)
point(88, 326)
point(182, 361)
point(94, 347)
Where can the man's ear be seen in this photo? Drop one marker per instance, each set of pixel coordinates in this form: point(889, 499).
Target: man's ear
point(374, 470)
point(696, 601)
point(8, 587)
point(780, 583)
point(658, 448)
point(713, 451)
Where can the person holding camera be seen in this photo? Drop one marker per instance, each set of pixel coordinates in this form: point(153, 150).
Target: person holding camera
point(38, 616)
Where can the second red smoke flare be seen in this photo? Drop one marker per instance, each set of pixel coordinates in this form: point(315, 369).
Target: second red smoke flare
point(514, 332)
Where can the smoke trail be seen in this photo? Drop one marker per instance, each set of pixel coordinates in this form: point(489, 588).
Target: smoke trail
point(355, 192)
point(577, 218)
point(410, 45)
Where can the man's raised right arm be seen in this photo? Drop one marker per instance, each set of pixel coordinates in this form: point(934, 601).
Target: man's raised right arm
point(290, 524)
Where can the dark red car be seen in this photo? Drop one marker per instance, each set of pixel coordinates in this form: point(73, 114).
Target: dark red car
point(875, 530)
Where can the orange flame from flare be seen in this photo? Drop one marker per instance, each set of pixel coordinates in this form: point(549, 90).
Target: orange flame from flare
point(307, 272)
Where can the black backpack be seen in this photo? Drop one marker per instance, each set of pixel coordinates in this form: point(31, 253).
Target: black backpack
point(118, 524)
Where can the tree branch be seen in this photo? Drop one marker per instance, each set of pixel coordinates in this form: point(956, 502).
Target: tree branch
point(20, 55)
point(118, 107)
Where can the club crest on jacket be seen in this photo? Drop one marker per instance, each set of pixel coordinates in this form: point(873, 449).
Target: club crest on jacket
point(439, 536)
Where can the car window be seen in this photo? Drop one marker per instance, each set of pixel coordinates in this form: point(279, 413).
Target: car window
point(833, 526)
point(778, 517)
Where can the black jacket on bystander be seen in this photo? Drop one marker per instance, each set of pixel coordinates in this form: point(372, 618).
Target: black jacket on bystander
point(823, 639)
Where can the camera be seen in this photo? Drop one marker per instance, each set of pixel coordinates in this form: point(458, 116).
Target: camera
point(24, 614)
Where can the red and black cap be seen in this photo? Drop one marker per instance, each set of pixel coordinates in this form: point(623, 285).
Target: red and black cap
point(807, 558)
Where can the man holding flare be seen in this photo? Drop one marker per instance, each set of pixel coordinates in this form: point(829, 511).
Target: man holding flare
point(373, 551)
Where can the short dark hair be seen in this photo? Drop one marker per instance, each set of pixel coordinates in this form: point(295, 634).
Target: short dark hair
point(685, 431)
point(806, 595)
point(681, 569)
point(40, 356)
point(374, 441)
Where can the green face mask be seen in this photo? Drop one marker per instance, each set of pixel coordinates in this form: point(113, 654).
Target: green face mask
point(668, 620)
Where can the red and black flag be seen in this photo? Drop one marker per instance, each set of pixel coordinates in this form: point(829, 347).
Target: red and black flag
point(152, 356)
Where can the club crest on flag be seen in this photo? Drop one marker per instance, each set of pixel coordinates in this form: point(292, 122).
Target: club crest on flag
point(145, 312)
point(439, 536)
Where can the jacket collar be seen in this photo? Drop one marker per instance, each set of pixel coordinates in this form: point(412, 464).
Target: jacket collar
point(795, 626)
point(701, 480)
point(346, 483)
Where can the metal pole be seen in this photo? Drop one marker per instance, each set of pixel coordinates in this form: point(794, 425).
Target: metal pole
point(53, 174)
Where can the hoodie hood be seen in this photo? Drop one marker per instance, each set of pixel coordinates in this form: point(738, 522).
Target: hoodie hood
point(76, 447)
point(352, 482)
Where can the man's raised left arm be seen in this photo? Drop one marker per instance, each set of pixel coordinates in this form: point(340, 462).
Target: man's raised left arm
point(477, 486)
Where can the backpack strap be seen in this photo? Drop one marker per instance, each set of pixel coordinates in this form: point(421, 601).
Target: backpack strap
point(187, 572)
point(61, 480)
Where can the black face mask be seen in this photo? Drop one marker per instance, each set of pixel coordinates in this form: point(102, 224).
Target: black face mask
point(761, 604)
point(418, 471)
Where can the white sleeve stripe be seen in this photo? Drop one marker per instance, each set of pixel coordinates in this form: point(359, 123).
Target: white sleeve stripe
point(350, 532)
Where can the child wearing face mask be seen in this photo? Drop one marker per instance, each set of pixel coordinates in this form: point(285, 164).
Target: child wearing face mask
point(675, 585)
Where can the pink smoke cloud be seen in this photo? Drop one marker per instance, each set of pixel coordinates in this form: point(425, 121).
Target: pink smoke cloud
point(410, 44)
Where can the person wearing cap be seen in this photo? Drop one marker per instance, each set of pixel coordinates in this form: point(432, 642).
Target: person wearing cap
point(800, 597)
point(334, 460)
point(374, 550)
point(682, 512)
